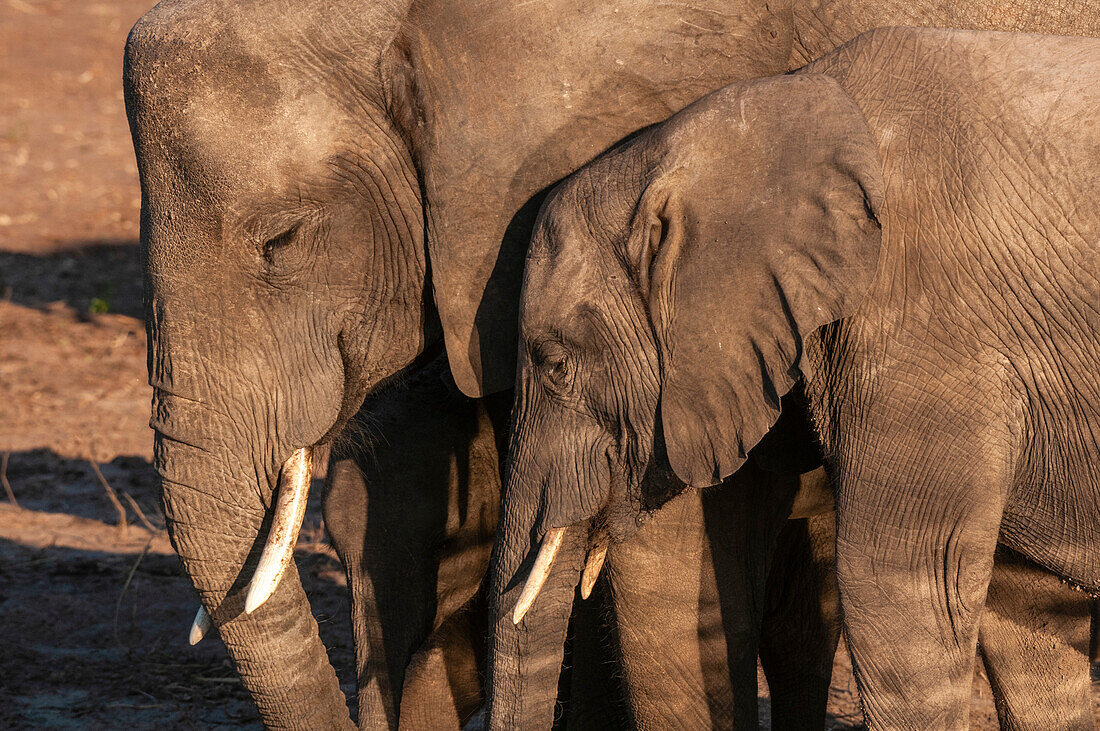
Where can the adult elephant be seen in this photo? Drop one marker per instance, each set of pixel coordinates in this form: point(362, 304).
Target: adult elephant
point(302, 163)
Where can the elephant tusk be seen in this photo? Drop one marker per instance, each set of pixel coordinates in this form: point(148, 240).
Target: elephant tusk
point(592, 569)
point(200, 626)
point(551, 542)
point(290, 508)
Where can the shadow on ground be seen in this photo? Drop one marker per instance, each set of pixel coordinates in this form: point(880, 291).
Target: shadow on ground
point(94, 618)
point(89, 276)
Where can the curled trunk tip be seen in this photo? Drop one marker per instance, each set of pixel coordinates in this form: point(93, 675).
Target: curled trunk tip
point(290, 509)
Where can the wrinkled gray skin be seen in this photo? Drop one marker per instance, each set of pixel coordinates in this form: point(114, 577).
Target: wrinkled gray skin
point(284, 151)
point(301, 164)
point(1033, 637)
point(411, 500)
point(929, 195)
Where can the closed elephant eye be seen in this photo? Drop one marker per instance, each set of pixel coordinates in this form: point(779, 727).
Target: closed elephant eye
point(272, 245)
point(557, 371)
point(554, 364)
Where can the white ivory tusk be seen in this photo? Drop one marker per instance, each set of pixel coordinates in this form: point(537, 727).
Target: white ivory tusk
point(290, 508)
point(200, 626)
point(592, 569)
point(551, 542)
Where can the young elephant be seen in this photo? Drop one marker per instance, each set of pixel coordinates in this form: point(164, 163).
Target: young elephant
point(931, 197)
point(411, 507)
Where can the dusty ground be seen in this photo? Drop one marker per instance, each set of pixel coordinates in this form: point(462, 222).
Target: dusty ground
point(93, 616)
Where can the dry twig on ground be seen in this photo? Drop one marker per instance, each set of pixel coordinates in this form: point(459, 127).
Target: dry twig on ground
point(140, 513)
point(4, 479)
point(126, 585)
point(122, 524)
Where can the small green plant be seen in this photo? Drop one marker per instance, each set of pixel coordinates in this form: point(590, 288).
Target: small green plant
point(101, 303)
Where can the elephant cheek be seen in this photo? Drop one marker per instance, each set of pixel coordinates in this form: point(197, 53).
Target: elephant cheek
point(565, 470)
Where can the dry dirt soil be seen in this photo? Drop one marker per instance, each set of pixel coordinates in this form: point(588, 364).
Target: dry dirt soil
point(94, 609)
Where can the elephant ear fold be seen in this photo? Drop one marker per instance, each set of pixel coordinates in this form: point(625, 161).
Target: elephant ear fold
point(771, 232)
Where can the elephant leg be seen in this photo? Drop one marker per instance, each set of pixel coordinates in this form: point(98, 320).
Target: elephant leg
point(1033, 639)
point(679, 667)
point(1094, 642)
point(911, 614)
point(688, 592)
point(411, 506)
point(801, 626)
point(388, 623)
point(441, 682)
point(592, 670)
point(919, 498)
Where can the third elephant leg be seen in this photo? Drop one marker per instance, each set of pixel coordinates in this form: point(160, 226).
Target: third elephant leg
point(1033, 634)
point(1034, 640)
point(801, 623)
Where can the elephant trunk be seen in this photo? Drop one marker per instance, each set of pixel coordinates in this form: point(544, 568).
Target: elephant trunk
point(218, 521)
point(525, 657)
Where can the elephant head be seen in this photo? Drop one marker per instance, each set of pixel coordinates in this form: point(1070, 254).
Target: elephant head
point(285, 277)
point(668, 290)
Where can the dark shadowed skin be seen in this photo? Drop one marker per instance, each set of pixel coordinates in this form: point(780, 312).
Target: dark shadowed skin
point(929, 193)
point(285, 149)
point(411, 506)
point(411, 502)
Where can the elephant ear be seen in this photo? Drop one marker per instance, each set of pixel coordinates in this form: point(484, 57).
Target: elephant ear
point(765, 230)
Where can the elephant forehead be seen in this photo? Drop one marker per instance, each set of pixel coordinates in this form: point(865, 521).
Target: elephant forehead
point(293, 137)
point(559, 285)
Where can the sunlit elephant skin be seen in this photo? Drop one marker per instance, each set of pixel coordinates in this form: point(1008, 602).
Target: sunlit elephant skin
point(945, 235)
point(302, 162)
point(1033, 637)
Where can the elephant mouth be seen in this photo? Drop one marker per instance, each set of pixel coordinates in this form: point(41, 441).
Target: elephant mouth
point(291, 496)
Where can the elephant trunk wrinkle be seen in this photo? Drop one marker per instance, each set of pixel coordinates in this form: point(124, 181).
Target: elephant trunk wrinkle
point(290, 509)
point(277, 650)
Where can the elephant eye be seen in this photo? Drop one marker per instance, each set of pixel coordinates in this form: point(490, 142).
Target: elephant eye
point(555, 364)
point(275, 243)
point(557, 370)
